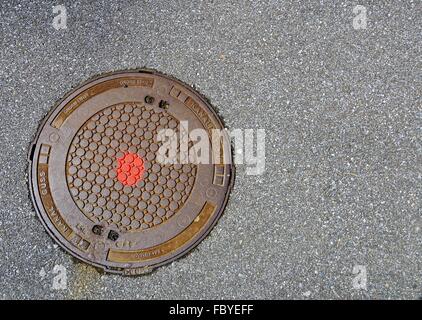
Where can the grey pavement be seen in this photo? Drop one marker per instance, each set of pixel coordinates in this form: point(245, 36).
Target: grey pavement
point(342, 112)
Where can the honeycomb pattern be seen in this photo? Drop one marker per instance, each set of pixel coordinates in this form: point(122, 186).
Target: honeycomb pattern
point(92, 161)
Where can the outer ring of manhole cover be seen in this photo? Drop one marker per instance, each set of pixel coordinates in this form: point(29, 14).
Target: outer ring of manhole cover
point(103, 186)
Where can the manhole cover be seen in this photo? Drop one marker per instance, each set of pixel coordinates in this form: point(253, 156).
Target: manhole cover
point(121, 175)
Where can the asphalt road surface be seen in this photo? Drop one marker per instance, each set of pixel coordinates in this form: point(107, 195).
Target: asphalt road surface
point(337, 213)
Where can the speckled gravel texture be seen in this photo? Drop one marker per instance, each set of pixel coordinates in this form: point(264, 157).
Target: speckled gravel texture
point(342, 113)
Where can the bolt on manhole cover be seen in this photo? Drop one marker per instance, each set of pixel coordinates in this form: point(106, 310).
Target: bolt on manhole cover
point(130, 171)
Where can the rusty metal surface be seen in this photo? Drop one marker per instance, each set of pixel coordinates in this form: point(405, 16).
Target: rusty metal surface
point(96, 182)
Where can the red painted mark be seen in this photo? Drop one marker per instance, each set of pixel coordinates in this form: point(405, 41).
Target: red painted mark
point(130, 168)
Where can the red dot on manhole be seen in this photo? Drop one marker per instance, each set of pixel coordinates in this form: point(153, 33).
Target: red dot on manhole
point(130, 168)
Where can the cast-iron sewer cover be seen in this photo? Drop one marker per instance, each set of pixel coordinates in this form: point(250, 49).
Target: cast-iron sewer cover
point(115, 175)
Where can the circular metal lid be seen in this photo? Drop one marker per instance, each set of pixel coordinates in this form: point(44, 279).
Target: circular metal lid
point(120, 172)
